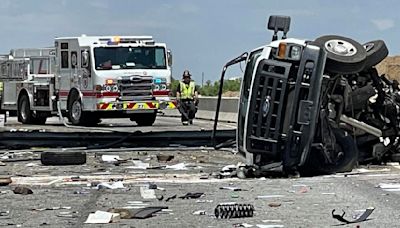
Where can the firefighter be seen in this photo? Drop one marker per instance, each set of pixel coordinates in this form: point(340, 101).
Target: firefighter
point(187, 97)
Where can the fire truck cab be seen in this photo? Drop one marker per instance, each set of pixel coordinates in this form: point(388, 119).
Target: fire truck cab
point(88, 78)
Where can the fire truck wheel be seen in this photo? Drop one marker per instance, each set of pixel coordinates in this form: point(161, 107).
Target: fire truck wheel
point(63, 158)
point(24, 110)
point(344, 55)
point(75, 112)
point(145, 119)
point(376, 52)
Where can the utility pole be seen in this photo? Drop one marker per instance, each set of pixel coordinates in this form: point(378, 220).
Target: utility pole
point(202, 79)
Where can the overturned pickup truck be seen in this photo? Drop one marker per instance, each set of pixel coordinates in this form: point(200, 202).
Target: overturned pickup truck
point(316, 106)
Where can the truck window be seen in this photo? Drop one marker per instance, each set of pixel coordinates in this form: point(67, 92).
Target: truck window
point(107, 58)
point(64, 59)
point(249, 72)
point(39, 66)
point(74, 59)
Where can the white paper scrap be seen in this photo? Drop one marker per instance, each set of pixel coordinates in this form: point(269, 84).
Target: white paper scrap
point(110, 158)
point(179, 166)
point(114, 185)
point(137, 164)
point(102, 217)
point(147, 193)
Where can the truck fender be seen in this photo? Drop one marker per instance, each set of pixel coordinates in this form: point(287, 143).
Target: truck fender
point(30, 96)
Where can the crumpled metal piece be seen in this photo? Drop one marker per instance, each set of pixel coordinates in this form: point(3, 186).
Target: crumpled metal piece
point(363, 217)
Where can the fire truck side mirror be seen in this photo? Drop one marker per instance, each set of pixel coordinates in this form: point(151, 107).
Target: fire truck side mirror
point(85, 58)
point(169, 57)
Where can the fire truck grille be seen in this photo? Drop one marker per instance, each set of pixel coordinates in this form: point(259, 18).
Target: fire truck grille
point(267, 107)
point(135, 88)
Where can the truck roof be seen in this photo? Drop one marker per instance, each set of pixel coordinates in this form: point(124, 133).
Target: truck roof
point(98, 40)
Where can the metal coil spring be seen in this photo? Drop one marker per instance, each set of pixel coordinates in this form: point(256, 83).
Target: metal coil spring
point(226, 211)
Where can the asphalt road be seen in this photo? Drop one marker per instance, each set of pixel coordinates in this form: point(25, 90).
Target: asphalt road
point(303, 202)
point(300, 202)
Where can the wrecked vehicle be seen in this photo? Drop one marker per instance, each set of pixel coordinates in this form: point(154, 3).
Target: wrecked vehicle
point(315, 106)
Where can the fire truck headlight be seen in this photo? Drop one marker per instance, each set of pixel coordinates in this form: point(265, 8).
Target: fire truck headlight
point(163, 87)
point(295, 52)
point(108, 88)
point(115, 88)
point(156, 87)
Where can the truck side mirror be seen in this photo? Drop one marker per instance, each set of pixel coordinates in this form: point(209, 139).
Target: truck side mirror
point(85, 58)
point(279, 23)
point(169, 57)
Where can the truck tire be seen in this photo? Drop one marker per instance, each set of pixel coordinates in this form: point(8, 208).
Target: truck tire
point(376, 52)
point(75, 112)
point(316, 163)
point(24, 110)
point(144, 119)
point(63, 158)
point(344, 55)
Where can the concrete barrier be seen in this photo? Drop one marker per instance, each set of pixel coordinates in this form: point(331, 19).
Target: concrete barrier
point(208, 105)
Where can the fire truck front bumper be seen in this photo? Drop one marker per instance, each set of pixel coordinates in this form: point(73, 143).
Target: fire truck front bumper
point(136, 105)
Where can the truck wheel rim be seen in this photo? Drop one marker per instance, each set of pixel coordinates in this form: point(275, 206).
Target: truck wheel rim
point(76, 110)
point(341, 47)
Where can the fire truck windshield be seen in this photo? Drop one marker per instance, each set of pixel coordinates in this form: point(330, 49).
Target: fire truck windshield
point(114, 58)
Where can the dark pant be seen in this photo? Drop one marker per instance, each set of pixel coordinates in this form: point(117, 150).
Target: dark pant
point(188, 109)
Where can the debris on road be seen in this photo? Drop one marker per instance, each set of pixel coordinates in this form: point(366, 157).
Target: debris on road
point(304, 189)
point(246, 225)
point(363, 217)
point(113, 159)
point(170, 198)
point(102, 217)
point(147, 212)
point(390, 187)
point(164, 158)
point(269, 196)
point(75, 179)
point(192, 195)
point(51, 208)
point(113, 185)
point(68, 214)
point(233, 210)
point(274, 204)
point(270, 226)
point(328, 193)
point(124, 213)
point(179, 166)
point(5, 181)
point(4, 213)
point(204, 201)
point(235, 189)
point(22, 190)
point(137, 164)
point(200, 212)
point(147, 193)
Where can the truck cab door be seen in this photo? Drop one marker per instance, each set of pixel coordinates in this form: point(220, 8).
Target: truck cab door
point(64, 69)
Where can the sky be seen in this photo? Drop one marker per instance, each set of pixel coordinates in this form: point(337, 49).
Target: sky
point(203, 35)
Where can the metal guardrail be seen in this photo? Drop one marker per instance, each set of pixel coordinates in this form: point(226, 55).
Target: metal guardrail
point(207, 107)
point(99, 140)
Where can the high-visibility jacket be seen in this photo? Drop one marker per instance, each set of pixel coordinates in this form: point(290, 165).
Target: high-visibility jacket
point(187, 90)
